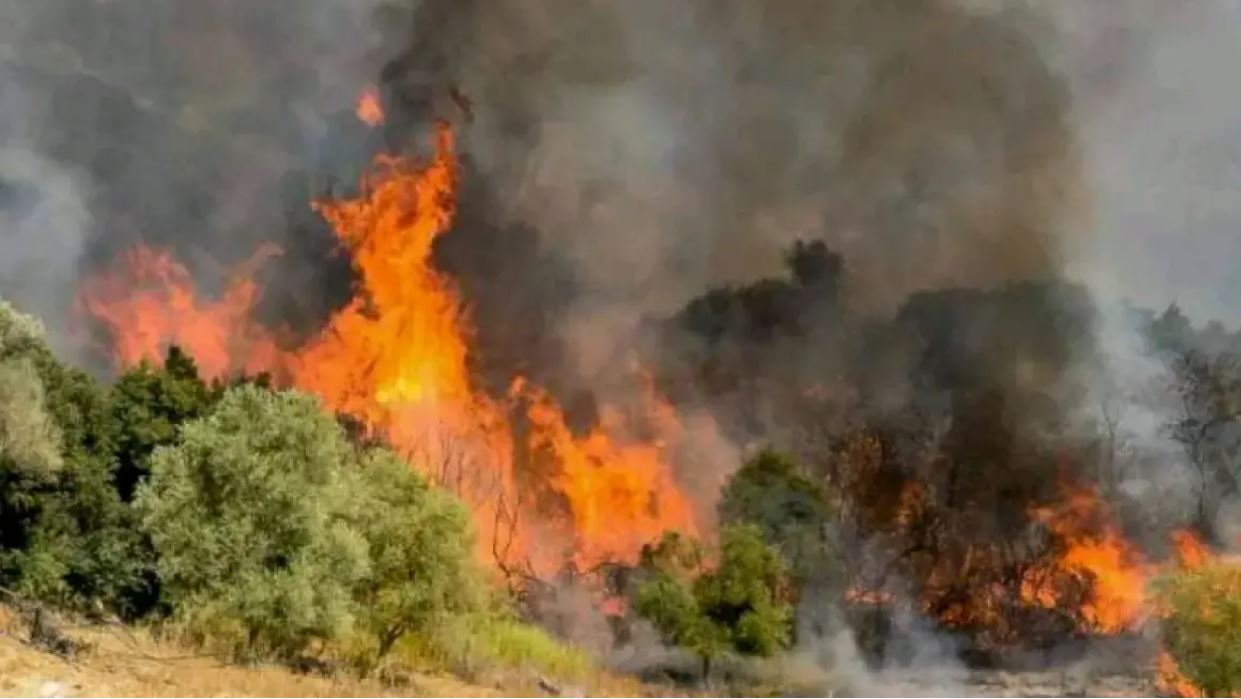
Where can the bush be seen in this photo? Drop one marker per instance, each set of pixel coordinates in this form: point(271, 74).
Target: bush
point(254, 516)
point(1202, 629)
point(29, 438)
point(741, 606)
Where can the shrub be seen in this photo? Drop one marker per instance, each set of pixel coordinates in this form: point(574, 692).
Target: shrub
point(1202, 629)
point(274, 531)
point(254, 516)
point(420, 547)
point(741, 606)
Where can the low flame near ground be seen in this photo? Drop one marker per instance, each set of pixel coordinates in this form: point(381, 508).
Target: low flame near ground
point(1093, 546)
point(395, 359)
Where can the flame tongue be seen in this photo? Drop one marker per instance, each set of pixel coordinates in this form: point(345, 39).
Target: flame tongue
point(148, 301)
point(401, 342)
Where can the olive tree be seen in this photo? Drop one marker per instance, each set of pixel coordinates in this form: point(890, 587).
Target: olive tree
point(254, 515)
point(420, 546)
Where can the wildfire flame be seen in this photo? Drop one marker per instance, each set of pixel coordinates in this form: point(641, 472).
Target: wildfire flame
point(1171, 681)
point(148, 300)
point(621, 495)
point(1115, 571)
point(369, 108)
point(1191, 553)
point(395, 358)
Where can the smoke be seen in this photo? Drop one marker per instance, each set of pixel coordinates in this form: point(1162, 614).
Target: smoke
point(182, 125)
point(43, 222)
point(1160, 145)
point(664, 149)
point(1160, 137)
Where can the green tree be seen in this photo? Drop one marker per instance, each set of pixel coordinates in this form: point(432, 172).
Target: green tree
point(420, 547)
point(149, 405)
point(791, 510)
point(1202, 628)
point(254, 514)
point(739, 606)
point(65, 537)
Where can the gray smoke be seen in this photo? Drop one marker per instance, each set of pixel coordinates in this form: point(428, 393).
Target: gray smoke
point(666, 148)
point(175, 124)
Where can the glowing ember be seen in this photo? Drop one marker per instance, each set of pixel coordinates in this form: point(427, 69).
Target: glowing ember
point(148, 301)
point(369, 108)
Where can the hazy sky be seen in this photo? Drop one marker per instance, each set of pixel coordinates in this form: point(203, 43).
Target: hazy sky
point(1160, 117)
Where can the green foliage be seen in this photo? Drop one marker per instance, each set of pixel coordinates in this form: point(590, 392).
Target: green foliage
point(1202, 629)
point(149, 404)
point(739, 606)
point(474, 645)
point(28, 436)
point(254, 516)
point(419, 541)
point(274, 531)
point(791, 511)
point(64, 535)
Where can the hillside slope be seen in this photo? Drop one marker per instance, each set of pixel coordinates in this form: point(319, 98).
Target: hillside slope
point(120, 661)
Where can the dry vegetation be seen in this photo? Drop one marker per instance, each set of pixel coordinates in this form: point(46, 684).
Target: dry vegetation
point(120, 661)
point(117, 660)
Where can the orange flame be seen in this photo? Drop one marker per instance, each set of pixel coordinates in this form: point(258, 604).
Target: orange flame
point(1190, 551)
point(148, 301)
point(396, 359)
point(621, 496)
point(1114, 571)
point(1169, 679)
point(369, 108)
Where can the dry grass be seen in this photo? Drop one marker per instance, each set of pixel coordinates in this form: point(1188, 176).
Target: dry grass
point(123, 662)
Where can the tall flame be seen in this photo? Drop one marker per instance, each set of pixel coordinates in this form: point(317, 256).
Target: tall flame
point(396, 359)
